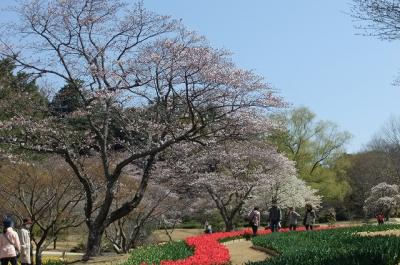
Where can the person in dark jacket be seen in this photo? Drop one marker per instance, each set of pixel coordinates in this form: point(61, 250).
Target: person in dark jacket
point(309, 217)
point(274, 216)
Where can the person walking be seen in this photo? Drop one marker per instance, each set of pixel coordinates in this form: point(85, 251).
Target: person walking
point(207, 228)
point(254, 219)
point(309, 217)
point(9, 243)
point(380, 217)
point(25, 241)
point(274, 217)
point(293, 216)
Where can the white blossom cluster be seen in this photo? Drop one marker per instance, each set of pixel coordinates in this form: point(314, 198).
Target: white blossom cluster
point(384, 197)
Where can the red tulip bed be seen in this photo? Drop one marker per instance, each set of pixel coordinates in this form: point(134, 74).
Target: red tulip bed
point(209, 251)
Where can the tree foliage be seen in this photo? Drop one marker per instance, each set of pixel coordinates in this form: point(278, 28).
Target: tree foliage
point(315, 147)
point(19, 94)
point(66, 100)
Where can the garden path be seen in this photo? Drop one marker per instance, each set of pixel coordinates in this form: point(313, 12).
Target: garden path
point(241, 252)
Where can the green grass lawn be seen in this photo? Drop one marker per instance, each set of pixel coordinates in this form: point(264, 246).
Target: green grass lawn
point(177, 234)
point(342, 246)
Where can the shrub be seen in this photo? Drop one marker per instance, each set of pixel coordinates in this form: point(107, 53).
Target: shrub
point(218, 227)
point(328, 216)
point(190, 224)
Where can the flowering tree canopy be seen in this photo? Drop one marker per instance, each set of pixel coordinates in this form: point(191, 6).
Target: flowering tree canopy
point(378, 18)
point(286, 190)
point(145, 84)
point(231, 172)
point(383, 198)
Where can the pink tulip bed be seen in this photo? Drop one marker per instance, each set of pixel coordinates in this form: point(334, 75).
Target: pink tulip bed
point(203, 249)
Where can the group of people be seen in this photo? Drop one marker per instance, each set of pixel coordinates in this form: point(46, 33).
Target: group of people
point(15, 244)
point(275, 218)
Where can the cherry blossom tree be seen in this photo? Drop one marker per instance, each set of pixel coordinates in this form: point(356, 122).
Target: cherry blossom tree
point(287, 190)
point(145, 83)
point(230, 173)
point(379, 18)
point(383, 198)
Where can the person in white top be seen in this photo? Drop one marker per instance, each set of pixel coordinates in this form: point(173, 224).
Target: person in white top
point(25, 242)
point(293, 216)
point(9, 243)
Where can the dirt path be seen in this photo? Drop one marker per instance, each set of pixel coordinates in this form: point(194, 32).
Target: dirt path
point(241, 252)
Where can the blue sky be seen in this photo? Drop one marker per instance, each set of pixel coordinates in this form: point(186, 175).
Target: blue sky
point(308, 50)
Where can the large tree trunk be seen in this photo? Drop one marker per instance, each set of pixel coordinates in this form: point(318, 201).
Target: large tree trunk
point(33, 262)
point(38, 257)
point(229, 225)
point(104, 217)
point(94, 242)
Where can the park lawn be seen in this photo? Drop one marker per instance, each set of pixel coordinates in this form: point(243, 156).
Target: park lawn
point(344, 246)
point(68, 242)
point(177, 234)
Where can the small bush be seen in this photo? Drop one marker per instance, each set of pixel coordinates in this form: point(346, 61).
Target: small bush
point(190, 225)
point(328, 216)
point(218, 226)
